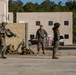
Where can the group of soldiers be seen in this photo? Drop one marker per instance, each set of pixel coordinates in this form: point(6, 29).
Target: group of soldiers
point(41, 36)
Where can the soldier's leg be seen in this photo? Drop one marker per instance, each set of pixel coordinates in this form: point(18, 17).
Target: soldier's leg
point(43, 46)
point(4, 48)
point(3, 52)
point(38, 47)
point(55, 49)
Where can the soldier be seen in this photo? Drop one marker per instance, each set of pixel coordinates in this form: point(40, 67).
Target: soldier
point(23, 47)
point(2, 40)
point(3, 33)
point(41, 35)
point(56, 39)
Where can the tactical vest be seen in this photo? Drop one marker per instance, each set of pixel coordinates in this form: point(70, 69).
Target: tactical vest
point(2, 32)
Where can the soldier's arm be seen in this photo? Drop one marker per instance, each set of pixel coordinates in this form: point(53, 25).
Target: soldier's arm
point(45, 33)
point(37, 34)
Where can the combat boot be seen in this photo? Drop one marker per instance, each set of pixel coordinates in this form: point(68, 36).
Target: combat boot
point(4, 57)
point(55, 57)
point(43, 52)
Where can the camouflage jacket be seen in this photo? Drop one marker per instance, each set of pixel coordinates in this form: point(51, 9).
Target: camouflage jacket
point(41, 34)
point(2, 32)
point(56, 34)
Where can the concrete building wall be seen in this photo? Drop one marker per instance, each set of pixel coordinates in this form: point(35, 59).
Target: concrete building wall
point(4, 11)
point(10, 17)
point(44, 18)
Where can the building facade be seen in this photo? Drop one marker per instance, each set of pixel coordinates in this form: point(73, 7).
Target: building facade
point(47, 19)
point(35, 19)
point(5, 16)
point(4, 11)
point(10, 17)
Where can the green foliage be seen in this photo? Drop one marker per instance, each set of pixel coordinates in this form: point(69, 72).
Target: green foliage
point(15, 6)
point(29, 7)
point(45, 6)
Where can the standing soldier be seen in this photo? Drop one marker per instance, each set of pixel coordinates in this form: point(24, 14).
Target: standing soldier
point(2, 40)
point(41, 35)
point(3, 33)
point(56, 39)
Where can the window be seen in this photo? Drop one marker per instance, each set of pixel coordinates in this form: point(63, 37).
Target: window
point(66, 22)
point(37, 23)
point(61, 37)
point(50, 23)
point(66, 36)
point(31, 36)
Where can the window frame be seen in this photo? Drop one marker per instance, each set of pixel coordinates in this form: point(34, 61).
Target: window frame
point(32, 35)
point(37, 23)
point(66, 23)
point(66, 36)
point(50, 23)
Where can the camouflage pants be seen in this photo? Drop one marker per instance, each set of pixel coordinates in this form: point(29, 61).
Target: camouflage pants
point(2, 46)
point(41, 43)
point(55, 48)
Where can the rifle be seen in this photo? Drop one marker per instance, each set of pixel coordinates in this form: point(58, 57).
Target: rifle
point(9, 33)
point(12, 34)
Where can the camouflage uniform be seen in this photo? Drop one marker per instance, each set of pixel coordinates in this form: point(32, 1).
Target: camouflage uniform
point(56, 39)
point(2, 42)
point(23, 47)
point(41, 35)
